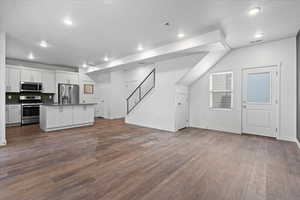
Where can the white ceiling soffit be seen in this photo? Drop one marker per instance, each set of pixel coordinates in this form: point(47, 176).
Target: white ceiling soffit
point(212, 41)
point(203, 66)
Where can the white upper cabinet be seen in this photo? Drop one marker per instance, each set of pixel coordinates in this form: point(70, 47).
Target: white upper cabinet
point(12, 79)
point(67, 78)
point(49, 82)
point(49, 78)
point(29, 75)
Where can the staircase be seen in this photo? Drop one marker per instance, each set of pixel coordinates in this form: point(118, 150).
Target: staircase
point(141, 91)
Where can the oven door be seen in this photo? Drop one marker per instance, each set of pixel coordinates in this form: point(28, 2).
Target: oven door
point(30, 114)
point(31, 87)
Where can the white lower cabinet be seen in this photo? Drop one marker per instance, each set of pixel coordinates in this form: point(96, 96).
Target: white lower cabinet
point(13, 114)
point(83, 114)
point(65, 115)
point(57, 117)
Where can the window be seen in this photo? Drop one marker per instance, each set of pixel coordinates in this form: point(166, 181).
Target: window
point(220, 89)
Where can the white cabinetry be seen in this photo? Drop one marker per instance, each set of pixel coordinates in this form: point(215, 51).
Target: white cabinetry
point(67, 78)
point(56, 117)
point(65, 115)
point(13, 114)
point(6, 115)
point(83, 114)
point(30, 75)
point(12, 79)
point(49, 82)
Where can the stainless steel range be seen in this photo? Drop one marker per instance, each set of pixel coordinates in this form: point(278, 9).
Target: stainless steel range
point(30, 109)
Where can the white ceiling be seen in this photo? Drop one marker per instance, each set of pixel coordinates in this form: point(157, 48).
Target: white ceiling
point(116, 27)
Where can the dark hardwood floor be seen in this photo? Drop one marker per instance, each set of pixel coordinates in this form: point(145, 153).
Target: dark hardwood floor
point(115, 161)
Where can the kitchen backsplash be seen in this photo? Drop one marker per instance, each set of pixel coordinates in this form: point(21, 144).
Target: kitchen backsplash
point(13, 98)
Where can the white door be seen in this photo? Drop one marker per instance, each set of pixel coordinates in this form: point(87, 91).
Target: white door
point(181, 111)
point(100, 109)
point(260, 99)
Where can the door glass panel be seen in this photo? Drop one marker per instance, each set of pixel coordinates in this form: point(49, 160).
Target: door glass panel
point(258, 90)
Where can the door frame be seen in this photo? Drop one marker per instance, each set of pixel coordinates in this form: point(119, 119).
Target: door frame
point(278, 66)
point(187, 109)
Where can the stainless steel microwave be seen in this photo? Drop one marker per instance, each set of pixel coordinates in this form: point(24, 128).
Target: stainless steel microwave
point(31, 87)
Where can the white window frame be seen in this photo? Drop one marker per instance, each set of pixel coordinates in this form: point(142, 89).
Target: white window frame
point(211, 91)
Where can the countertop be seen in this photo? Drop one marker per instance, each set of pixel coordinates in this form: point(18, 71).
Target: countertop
point(78, 104)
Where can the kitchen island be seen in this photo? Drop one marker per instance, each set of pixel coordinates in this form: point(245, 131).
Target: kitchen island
point(63, 116)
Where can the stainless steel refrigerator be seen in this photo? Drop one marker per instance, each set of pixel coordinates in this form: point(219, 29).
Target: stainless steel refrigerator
point(68, 94)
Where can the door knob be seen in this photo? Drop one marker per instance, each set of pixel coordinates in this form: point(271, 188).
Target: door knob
point(244, 106)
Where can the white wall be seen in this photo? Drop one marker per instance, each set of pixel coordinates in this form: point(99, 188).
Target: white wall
point(117, 95)
point(25, 63)
point(86, 79)
point(110, 87)
point(273, 53)
point(157, 110)
point(2, 87)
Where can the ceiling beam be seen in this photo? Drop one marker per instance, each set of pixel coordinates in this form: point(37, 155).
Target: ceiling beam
point(204, 43)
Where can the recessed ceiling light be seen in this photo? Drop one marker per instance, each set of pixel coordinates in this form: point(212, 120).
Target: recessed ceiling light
point(140, 48)
point(259, 35)
point(84, 65)
point(44, 44)
point(105, 59)
point(254, 11)
point(31, 56)
point(180, 35)
point(67, 21)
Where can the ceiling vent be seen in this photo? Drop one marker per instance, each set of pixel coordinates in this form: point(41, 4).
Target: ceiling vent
point(167, 23)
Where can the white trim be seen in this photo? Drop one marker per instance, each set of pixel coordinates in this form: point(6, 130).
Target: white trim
point(68, 127)
point(278, 70)
point(3, 143)
point(206, 43)
point(211, 91)
point(298, 143)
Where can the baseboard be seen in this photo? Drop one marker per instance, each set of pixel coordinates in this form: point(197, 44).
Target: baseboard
point(219, 130)
point(149, 126)
point(3, 143)
point(287, 139)
point(68, 127)
point(298, 143)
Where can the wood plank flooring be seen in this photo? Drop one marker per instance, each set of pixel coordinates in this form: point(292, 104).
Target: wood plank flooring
point(115, 161)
